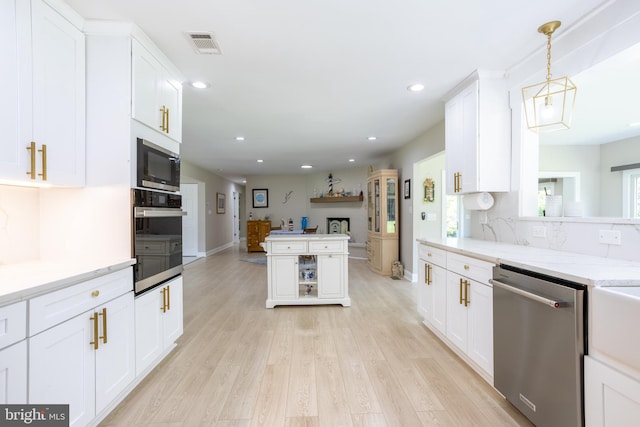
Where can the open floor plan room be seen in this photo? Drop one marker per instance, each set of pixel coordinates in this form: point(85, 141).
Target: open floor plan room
point(371, 364)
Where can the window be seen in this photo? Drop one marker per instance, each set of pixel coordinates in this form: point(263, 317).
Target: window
point(631, 193)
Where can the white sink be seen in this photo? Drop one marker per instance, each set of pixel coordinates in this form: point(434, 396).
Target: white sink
point(615, 320)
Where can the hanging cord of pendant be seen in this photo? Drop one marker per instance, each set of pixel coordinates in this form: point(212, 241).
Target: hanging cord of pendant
point(549, 56)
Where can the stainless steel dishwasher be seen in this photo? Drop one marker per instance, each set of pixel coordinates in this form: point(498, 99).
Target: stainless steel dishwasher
point(538, 345)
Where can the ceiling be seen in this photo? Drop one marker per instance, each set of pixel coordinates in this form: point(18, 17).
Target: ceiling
point(307, 82)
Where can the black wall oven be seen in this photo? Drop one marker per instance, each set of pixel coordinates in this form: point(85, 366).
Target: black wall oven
point(157, 167)
point(157, 237)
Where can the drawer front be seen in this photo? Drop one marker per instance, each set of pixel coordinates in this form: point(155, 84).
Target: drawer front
point(478, 270)
point(432, 255)
point(13, 323)
point(333, 246)
point(152, 248)
point(289, 247)
point(48, 310)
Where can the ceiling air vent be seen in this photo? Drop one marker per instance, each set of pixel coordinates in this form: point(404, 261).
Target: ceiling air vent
point(204, 43)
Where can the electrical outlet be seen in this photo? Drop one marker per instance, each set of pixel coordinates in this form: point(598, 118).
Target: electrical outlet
point(610, 237)
point(539, 231)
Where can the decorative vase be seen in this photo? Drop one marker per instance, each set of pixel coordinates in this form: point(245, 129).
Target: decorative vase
point(303, 223)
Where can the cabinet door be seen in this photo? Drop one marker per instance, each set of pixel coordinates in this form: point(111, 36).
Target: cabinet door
point(172, 317)
point(461, 136)
point(456, 311)
point(58, 96)
point(148, 327)
point(284, 277)
point(13, 374)
point(171, 99)
point(480, 308)
point(145, 86)
point(115, 358)
point(374, 253)
point(611, 398)
point(331, 276)
point(438, 290)
point(15, 102)
point(62, 368)
point(425, 295)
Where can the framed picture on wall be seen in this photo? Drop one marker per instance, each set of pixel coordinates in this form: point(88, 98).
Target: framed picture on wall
point(407, 188)
point(260, 198)
point(220, 202)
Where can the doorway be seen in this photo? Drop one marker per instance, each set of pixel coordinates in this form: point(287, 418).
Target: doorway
point(190, 220)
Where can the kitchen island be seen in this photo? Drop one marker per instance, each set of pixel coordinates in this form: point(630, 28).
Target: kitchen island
point(307, 269)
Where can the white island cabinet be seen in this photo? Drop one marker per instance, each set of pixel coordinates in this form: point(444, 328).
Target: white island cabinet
point(307, 269)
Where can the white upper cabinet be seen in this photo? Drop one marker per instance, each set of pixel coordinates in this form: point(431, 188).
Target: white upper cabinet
point(477, 135)
point(157, 94)
point(43, 110)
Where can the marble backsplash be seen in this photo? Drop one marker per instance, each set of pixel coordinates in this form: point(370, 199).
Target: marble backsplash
point(564, 234)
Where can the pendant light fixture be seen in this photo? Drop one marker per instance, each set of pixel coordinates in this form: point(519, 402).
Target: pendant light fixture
point(549, 105)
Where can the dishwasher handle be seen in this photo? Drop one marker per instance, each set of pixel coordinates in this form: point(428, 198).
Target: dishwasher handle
point(546, 301)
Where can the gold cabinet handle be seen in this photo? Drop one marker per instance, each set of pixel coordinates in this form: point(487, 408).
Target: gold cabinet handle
point(104, 325)
point(95, 330)
point(164, 117)
point(426, 274)
point(466, 293)
point(168, 298)
point(466, 267)
point(164, 300)
point(32, 155)
point(95, 293)
point(461, 290)
point(166, 111)
point(429, 281)
point(44, 162)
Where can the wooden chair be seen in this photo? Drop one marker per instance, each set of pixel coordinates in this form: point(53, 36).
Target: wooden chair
point(310, 230)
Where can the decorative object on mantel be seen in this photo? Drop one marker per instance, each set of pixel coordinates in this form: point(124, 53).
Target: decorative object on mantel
point(429, 190)
point(549, 105)
point(331, 180)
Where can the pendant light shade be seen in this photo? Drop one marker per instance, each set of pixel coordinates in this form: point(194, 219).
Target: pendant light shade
point(549, 105)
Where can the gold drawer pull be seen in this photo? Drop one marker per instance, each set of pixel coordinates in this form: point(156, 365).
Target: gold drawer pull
point(466, 267)
point(95, 293)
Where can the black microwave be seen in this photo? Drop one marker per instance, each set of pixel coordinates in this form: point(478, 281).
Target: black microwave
point(157, 167)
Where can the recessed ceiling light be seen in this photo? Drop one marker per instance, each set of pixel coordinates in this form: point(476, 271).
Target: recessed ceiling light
point(200, 85)
point(372, 138)
point(306, 166)
point(239, 138)
point(260, 160)
point(352, 160)
point(416, 87)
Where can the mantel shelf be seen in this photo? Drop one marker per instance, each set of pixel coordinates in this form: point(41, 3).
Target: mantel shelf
point(336, 199)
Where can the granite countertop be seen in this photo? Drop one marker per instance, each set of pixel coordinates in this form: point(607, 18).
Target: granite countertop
point(29, 279)
point(584, 269)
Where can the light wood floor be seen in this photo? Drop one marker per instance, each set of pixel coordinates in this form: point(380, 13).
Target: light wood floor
point(372, 364)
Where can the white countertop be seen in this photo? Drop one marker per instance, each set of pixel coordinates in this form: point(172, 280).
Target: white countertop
point(307, 237)
point(584, 269)
point(29, 279)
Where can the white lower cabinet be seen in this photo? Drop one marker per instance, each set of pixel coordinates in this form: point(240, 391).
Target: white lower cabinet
point(13, 373)
point(158, 323)
point(456, 302)
point(85, 361)
point(432, 295)
point(611, 398)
